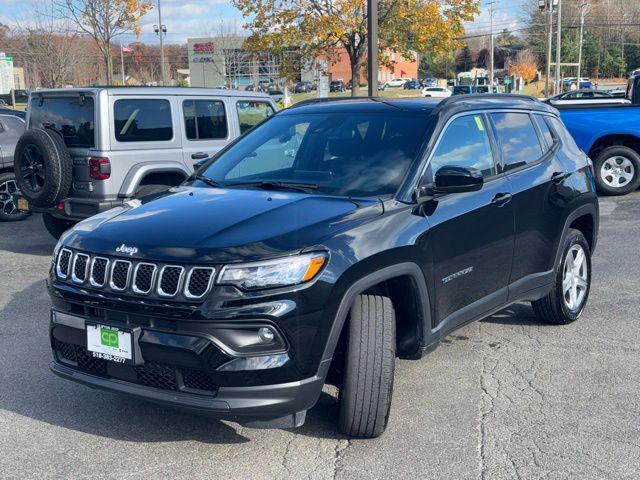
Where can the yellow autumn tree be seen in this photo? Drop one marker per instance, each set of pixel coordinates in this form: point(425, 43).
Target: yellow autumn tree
point(525, 65)
point(315, 28)
point(104, 20)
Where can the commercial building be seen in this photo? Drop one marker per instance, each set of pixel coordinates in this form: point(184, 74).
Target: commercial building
point(222, 61)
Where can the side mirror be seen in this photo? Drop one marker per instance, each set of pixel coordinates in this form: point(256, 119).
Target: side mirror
point(451, 179)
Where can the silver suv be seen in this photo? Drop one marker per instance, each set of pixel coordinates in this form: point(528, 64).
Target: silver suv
point(87, 150)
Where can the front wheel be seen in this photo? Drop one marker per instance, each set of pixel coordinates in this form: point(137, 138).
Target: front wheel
point(566, 301)
point(617, 170)
point(367, 387)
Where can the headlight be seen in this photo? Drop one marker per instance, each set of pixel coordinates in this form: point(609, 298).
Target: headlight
point(274, 273)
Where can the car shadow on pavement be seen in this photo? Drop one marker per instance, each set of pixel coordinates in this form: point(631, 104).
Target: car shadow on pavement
point(19, 237)
point(516, 314)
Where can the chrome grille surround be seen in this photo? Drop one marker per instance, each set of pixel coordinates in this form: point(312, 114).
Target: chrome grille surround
point(187, 285)
point(92, 279)
point(80, 257)
point(131, 277)
point(163, 271)
point(59, 263)
point(115, 265)
point(136, 270)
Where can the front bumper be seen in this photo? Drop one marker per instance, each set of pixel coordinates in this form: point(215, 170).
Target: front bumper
point(182, 369)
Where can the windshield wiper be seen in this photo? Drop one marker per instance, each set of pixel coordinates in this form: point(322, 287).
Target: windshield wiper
point(207, 180)
point(276, 185)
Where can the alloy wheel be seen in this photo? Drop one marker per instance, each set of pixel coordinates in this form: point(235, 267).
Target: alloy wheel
point(7, 205)
point(617, 172)
point(32, 168)
point(575, 278)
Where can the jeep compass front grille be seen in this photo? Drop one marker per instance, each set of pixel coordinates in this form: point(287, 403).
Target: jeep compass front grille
point(135, 278)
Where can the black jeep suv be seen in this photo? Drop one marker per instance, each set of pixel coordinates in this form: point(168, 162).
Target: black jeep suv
point(320, 246)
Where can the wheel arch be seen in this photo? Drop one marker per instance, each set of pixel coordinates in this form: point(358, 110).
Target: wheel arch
point(385, 278)
point(150, 170)
point(610, 140)
point(585, 219)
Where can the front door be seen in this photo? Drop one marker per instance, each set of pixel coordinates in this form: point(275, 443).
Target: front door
point(471, 234)
point(205, 122)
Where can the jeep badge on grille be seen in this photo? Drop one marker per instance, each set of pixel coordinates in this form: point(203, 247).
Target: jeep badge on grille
point(128, 250)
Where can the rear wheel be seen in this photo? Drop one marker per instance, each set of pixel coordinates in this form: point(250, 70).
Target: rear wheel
point(617, 170)
point(367, 388)
point(566, 301)
point(56, 226)
point(8, 209)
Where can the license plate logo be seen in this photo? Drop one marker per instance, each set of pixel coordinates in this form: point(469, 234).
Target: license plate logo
point(108, 337)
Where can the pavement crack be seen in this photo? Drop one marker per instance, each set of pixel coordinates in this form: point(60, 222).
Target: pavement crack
point(341, 446)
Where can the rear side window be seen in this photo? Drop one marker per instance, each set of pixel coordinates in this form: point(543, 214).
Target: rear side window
point(517, 138)
point(464, 143)
point(562, 133)
point(72, 117)
point(204, 119)
point(544, 129)
point(142, 120)
point(252, 113)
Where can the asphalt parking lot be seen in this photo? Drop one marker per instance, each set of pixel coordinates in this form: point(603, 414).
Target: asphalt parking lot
point(507, 397)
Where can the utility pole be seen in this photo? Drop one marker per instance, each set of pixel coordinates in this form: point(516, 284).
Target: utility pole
point(547, 7)
point(583, 10)
point(559, 48)
point(372, 48)
point(491, 49)
point(124, 81)
point(161, 31)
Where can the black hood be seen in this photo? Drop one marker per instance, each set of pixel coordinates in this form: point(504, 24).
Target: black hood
point(219, 225)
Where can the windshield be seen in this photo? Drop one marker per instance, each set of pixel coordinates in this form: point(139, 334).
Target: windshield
point(345, 154)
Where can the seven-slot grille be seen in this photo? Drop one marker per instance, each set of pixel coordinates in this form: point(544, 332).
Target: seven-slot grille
point(139, 278)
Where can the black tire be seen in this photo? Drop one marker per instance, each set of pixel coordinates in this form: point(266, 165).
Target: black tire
point(553, 308)
point(617, 152)
point(43, 167)
point(56, 226)
point(365, 396)
point(8, 209)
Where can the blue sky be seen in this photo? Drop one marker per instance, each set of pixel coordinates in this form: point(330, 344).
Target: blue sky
point(189, 18)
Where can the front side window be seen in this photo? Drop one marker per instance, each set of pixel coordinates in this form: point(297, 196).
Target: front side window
point(345, 154)
point(204, 119)
point(517, 138)
point(252, 113)
point(465, 143)
point(142, 120)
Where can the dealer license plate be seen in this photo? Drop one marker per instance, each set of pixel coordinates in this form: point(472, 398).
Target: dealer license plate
point(23, 205)
point(109, 343)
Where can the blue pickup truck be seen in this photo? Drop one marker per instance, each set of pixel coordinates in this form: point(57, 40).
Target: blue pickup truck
point(610, 135)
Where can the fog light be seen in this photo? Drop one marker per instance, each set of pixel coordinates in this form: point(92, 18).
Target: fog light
point(266, 335)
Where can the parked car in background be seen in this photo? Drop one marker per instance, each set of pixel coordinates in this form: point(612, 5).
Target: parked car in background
point(91, 149)
point(430, 82)
point(320, 247)
point(584, 97)
point(21, 97)
point(462, 90)
point(337, 86)
point(11, 128)
point(412, 85)
point(436, 92)
point(396, 82)
point(610, 134)
point(276, 95)
point(11, 111)
point(303, 87)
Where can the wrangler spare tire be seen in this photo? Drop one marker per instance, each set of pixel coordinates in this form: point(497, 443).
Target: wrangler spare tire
point(43, 167)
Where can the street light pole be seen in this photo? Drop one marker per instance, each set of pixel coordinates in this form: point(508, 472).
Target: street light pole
point(161, 31)
point(372, 48)
point(583, 9)
point(559, 48)
point(491, 51)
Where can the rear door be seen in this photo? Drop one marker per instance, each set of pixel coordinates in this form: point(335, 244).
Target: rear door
point(471, 234)
point(540, 192)
point(205, 125)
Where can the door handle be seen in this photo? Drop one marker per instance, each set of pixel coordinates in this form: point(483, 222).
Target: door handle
point(501, 199)
point(199, 156)
point(558, 177)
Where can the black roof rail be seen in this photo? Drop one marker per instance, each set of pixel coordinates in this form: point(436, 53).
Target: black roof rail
point(314, 101)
